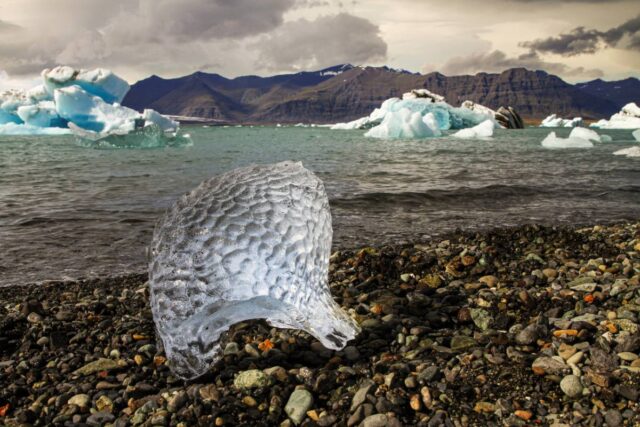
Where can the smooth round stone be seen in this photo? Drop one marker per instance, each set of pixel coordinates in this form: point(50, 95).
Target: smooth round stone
point(571, 386)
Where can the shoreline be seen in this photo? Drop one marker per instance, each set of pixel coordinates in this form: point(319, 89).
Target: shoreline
point(515, 326)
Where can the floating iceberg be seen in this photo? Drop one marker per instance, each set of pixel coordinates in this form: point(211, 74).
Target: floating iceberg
point(553, 141)
point(483, 130)
point(147, 136)
point(392, 120)
point(553, 121)
point(405, 124)
point(629, 152)
point(253, 243)
point(480, 109)
point(87, 102)
point(24, 129)
point(627, 118)
point(99, 82)
point(636, 134)
point(587, 134)
point(42, 115)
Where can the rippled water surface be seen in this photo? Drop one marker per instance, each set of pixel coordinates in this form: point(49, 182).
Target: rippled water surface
point(71, 212)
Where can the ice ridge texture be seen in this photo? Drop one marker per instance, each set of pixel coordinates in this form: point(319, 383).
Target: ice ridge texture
point(253, 243)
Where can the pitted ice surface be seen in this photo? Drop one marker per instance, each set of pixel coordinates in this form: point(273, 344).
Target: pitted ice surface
point(253, 243)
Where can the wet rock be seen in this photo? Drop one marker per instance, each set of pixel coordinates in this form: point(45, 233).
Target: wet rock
point(298, 404)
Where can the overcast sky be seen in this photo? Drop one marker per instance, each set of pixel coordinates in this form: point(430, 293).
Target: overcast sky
point(578, 40)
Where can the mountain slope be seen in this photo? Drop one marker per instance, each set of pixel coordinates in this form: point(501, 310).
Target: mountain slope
point(345, 92)
point(620, 92)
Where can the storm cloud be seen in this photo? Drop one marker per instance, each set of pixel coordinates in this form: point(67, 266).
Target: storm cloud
point(588, 41)
point(325, 41)
point(497, 61)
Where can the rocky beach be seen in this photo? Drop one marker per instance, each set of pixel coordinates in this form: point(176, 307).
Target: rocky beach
point(518, 326)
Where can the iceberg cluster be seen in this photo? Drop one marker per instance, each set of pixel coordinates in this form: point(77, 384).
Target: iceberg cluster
point(253, 243)
point(553, 121)
point(627, 118)
point(418, 114)
point(85, 102)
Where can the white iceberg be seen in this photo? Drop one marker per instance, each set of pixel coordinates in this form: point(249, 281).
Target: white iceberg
point(553, 141)
point(483, 130)
point(253, 243)
point(627, 118)
point(480, 109)
point(405, 124)
point(585, 133)
point(553, 121)
point(23, 129)
point(636, 134)
point(98, 82)
point(442, 116)
point(629, 152)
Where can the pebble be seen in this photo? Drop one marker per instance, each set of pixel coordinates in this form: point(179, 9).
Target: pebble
point(252, 378)
point(571, 386)
point(80, 400)
point(298, 404)
point(448, 346)
point(97, 366)
point(462, 342)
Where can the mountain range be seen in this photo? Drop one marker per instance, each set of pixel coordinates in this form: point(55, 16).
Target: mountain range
point(346, 92)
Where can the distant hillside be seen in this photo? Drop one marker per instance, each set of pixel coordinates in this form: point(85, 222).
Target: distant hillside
point(345, 92)
point(620, 92)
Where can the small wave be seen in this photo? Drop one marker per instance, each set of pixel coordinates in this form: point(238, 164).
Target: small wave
point(493, 192)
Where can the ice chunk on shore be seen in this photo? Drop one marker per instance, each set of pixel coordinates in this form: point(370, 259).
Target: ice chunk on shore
point(405, 124)
point(22, 129)
point(98, 82)
point(253, 243)
point(627, 118)
point(483, 130)
point(553, 141)
point(629, 152)
point(553, 121)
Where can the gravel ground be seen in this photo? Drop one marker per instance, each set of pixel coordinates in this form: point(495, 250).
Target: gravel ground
point(515, 327)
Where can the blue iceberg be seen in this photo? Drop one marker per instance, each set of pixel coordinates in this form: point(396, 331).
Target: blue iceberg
point(419, 114)
point(99, 82)
point(85, 103)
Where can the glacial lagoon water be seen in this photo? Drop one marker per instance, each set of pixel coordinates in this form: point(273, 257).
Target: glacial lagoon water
point(68, 212)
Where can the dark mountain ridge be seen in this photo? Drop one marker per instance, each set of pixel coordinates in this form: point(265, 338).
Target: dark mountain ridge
point(345, 92)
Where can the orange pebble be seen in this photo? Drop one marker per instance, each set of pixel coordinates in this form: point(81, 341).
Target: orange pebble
point(565, 333)
point(265, 345)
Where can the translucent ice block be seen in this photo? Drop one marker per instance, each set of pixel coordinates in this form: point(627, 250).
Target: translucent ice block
point(253, 243)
